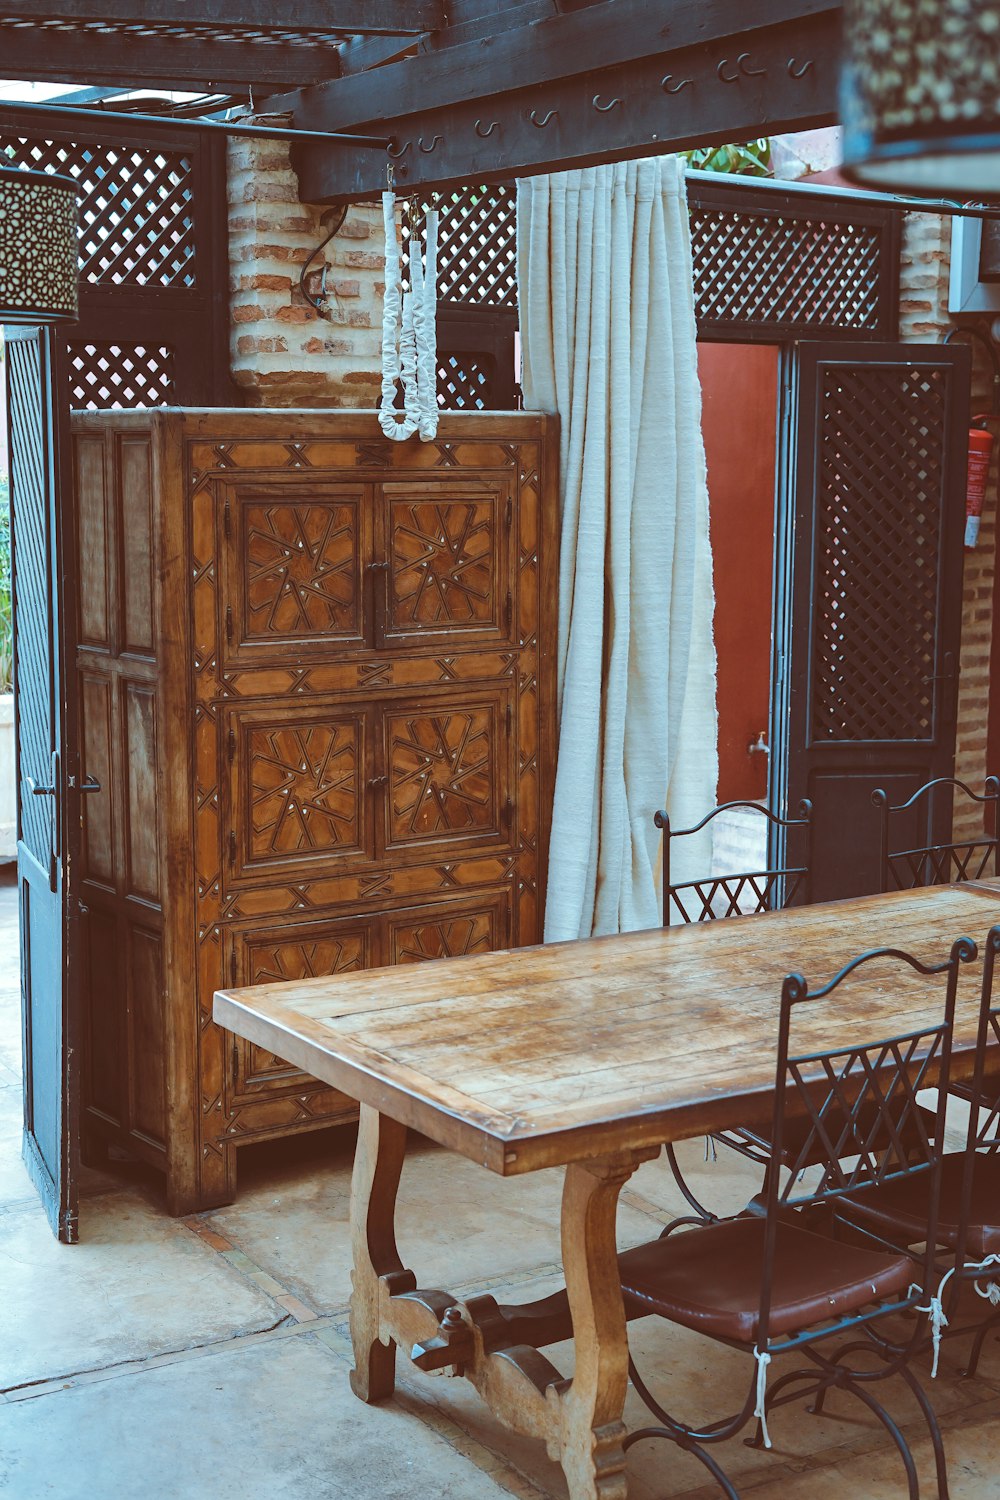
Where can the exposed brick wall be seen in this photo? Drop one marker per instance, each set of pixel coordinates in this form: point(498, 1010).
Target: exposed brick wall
point(924, 317)
point(284, 353)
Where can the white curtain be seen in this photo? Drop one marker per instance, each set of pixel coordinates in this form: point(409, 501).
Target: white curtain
point(608, 342)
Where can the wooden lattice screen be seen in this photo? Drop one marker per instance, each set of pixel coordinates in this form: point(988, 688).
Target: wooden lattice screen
point(153, 326)
point(769, 264)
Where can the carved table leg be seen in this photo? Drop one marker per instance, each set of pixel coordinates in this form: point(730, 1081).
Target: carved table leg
point(592, 1404)
point(378, 1163)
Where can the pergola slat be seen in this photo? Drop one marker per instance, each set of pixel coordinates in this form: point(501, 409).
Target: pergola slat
point(370, 17)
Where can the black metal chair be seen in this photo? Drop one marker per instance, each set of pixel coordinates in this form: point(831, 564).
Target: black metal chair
point(772, 1282)
point(734, 895)
point(968, 1219)
point(941, 864)
point(714, 898)
point(905, 869)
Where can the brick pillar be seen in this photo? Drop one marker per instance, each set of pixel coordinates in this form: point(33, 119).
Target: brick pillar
point(924, 275)
point(283, 353)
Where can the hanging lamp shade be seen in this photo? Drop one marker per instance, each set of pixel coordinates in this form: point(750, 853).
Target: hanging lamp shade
point(38, 247)
point(920, 96)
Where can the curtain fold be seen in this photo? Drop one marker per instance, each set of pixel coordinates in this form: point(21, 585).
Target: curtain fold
point(608, 341)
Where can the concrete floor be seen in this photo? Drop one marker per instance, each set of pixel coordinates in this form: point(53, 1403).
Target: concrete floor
point(207, 1359)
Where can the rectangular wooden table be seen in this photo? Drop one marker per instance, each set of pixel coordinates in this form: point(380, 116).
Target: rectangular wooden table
point(588, 1055)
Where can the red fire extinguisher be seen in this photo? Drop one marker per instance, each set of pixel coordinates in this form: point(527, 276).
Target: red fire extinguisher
point(980, 438)
point(980, 453)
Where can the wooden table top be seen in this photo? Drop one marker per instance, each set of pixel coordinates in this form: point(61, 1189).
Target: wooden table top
point(539, 1056)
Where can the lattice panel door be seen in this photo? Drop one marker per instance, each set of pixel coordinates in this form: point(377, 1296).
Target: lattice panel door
point(873, 569)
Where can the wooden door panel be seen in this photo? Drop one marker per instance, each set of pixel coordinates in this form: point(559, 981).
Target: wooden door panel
point(448, 929)
point(445, 556)
point(299, 790)
point(870, 593)
point(295, 570)
point(270, 955)
point(448, 773)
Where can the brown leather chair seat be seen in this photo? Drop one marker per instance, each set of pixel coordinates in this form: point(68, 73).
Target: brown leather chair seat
point(898, 1211)
point(710, 1279)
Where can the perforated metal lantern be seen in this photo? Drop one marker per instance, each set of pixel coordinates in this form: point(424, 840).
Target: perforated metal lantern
point(920, 96)
point(38, 247)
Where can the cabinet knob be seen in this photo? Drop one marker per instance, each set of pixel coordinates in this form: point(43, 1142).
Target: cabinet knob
point(374, 781)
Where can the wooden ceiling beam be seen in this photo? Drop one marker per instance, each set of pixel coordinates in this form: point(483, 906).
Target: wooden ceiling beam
point(540, 52)
point(370, 17)
point(38, 55)
point(740, 85)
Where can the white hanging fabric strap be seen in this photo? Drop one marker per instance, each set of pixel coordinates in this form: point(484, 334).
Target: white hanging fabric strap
point(760, 1410)
point(409, 334)
point(936, 1314)
point(991, 1291)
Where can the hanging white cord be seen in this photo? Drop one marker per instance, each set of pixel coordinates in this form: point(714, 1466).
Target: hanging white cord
point(409, 329)
point(991, 1292)
point(936, 1314)
point(760, 1410)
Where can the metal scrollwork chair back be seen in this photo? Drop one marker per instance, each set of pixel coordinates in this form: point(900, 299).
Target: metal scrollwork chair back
point(938, 863)
point(740, 894)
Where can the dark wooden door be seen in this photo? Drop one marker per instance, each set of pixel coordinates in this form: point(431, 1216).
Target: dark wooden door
point(869, 607)
point(43, 774)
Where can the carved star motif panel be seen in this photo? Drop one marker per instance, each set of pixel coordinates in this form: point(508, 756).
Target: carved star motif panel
point(301, 569)
point(302, 787)
point(445, 559)
point(477, 928)
point(305, 952)
point(443, 766)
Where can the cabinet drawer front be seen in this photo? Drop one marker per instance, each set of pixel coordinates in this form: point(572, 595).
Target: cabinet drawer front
point(445, 547)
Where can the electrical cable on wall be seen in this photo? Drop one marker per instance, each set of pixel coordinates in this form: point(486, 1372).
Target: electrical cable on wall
point(409, 331)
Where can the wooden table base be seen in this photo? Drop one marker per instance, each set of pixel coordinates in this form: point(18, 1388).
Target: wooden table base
point(497, 1348)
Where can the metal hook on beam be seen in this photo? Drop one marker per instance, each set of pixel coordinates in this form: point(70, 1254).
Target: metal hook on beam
point(727, 77)
point(796, 72)
point(747, 72)
point(485, 134)
point(399, 151)
point(675, 88)
point(541, 123)
point(596, 102)
point(428, 149)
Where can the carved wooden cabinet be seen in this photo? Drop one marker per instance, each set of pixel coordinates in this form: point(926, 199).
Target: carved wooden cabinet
point(317, 686)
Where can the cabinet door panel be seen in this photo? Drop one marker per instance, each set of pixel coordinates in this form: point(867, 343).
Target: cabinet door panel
point(295, 566)
point(448, 929)
point(448, 773)
point(305, 950)
point(298, 790)
point(446, 547)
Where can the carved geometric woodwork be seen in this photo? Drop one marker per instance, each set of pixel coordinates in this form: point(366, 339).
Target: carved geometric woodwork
point(301, 785)
point(359, 653)
point(445, 561)
point(444, 768)
point(302, 569)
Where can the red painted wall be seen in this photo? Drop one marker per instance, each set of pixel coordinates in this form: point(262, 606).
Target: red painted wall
point(739, 414)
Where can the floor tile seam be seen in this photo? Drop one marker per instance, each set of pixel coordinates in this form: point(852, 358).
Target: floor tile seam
point(254, 1274)
point(421, 1405)
point(54, 1385)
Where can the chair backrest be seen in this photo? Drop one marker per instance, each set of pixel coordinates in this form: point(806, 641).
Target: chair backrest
point(859, 1095)
point(734, 895)
point(984, 1094)
point(938, 864)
